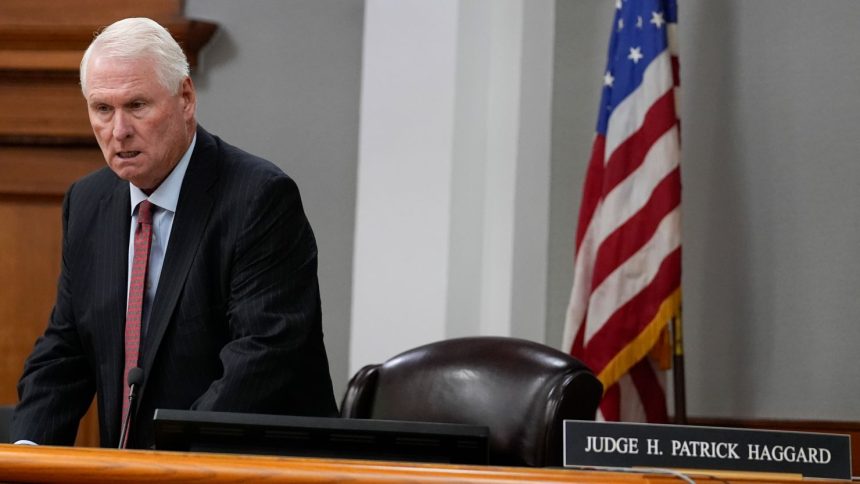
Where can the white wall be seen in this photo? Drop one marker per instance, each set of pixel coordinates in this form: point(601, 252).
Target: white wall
point(453, 181)
point(770, 112)
point(772, 186)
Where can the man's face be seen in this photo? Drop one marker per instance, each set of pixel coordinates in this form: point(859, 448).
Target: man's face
point(142, 127)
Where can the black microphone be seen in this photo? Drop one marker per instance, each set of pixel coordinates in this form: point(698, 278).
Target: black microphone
point(135, 378)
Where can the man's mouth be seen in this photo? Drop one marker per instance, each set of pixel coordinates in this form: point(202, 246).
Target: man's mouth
point(127, 154)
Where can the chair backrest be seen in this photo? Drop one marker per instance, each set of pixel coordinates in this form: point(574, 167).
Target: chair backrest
point(520, 390)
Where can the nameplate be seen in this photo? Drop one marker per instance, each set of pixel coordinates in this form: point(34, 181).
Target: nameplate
point(605, 444)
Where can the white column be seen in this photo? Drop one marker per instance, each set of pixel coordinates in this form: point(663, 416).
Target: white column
point(453, 176)
point(531, 228)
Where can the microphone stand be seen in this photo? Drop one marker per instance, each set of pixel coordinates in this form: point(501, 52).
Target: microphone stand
point(135, 378)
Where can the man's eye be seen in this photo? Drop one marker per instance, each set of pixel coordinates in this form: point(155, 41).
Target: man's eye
point(103, 109)
point(138, 105)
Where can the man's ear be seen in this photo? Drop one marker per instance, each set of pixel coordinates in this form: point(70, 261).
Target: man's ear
point(189, 97)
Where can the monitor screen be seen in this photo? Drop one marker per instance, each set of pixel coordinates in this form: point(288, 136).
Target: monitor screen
point(245, 433)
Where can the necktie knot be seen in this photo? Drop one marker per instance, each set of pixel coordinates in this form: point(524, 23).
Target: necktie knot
point(144, 212)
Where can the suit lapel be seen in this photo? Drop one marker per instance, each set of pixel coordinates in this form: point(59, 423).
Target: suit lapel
point(113, 245)
point(189, 223)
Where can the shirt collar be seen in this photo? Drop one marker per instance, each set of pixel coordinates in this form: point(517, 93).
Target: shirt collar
point(166, 196)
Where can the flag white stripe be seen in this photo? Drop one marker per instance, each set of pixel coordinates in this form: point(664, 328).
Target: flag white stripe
point(628, 116)
point(672, 38)
point(583, 267)
point(633, 275)
point(629, 196)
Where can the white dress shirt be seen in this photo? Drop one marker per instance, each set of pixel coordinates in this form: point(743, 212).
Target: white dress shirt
point(164, 200)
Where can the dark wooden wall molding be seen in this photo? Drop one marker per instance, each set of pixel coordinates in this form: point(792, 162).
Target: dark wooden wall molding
point(40, 52)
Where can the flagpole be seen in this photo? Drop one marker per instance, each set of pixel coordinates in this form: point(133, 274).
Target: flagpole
point(680, 390)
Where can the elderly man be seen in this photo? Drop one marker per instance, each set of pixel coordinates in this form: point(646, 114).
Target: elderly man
point(186, 261)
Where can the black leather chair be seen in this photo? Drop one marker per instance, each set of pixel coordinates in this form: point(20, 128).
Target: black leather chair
point(520, 390)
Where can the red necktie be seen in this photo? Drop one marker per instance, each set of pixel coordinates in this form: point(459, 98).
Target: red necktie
point(137, 289)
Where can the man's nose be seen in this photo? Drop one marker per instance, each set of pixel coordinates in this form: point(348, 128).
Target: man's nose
point(122, 125)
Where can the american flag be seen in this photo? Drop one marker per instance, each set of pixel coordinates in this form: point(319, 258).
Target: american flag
point(627, 264)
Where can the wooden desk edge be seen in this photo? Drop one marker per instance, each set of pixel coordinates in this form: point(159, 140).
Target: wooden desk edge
point(75, 464)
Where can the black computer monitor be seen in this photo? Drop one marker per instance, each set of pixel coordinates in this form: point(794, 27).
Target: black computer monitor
point(320, 437)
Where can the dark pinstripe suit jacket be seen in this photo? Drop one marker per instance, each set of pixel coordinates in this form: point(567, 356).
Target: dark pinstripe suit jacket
point(235, 323)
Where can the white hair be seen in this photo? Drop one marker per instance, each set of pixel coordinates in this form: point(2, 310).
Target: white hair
point(138, 38)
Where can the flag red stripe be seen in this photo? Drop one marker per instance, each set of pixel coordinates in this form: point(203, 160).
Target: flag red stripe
point(631, 318)
point(638, 229)
point(631, 152)
point(610, 406)
point(650, 391)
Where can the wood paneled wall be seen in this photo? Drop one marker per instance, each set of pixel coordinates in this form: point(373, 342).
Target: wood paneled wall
point(45, 144)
